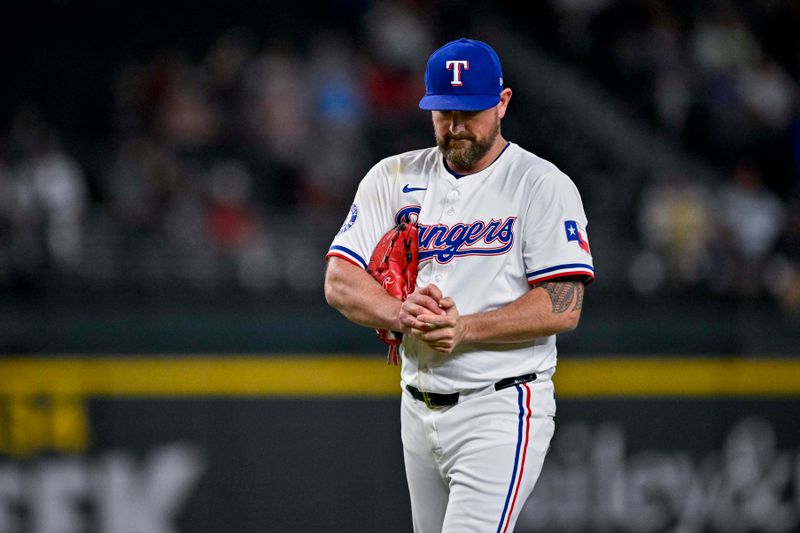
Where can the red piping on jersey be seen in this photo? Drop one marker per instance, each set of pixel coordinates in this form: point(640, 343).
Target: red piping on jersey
point(348, 259)
point(568, 273)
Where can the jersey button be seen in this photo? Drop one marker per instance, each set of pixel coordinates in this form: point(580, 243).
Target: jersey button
point(437, 277)
point(453, 194)
point(451, 211)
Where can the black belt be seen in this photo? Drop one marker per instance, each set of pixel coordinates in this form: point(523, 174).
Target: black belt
point(436, 399)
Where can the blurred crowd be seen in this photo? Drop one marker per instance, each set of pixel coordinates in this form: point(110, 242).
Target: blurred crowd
point(230, 165)
point(234, 167)
point(721, 79)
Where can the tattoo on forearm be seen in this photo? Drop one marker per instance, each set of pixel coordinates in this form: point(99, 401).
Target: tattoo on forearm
point(579, 298)
point(562, 294)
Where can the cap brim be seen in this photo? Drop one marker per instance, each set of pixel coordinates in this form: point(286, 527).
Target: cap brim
point(464, 102)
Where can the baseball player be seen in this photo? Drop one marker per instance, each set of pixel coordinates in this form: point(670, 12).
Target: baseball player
point(503, 260)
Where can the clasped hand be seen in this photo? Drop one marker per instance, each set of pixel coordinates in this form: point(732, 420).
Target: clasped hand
point(432, 318)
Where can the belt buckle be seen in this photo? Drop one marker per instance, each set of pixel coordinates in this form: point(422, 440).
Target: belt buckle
point(427, 399)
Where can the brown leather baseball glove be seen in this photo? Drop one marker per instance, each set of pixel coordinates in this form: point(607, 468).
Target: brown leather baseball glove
point(394, 265)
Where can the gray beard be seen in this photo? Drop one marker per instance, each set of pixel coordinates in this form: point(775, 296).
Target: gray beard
point(465, 155)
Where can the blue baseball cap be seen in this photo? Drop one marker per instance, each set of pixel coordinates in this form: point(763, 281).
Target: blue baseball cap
point(463, 75)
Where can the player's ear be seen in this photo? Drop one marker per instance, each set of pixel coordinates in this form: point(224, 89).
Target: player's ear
point(505, 97)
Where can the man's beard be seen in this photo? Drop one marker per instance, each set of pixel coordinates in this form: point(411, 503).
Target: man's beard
point(465, 150)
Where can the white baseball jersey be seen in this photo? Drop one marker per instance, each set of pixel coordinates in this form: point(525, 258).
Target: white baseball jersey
point(484, 239)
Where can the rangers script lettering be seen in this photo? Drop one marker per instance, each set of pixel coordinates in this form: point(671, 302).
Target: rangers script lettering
point(443, 243)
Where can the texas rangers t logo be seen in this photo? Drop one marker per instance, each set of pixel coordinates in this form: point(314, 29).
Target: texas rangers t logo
point(455, 66)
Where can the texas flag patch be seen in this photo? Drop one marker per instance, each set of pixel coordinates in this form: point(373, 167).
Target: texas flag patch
point(574, 234)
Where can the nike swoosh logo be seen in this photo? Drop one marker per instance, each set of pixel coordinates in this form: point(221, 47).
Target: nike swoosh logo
point(412, 189)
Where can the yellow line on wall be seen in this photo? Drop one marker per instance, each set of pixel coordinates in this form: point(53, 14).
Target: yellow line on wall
point(678, 377)
point(202, 376)
point(349, 376)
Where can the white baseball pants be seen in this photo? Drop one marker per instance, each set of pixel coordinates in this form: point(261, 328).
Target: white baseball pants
point(471, 467)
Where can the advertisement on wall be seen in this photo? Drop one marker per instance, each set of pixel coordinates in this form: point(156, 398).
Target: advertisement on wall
point(204, 445)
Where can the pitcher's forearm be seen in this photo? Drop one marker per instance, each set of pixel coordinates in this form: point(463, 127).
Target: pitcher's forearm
point(354, 293)
point(547, 309)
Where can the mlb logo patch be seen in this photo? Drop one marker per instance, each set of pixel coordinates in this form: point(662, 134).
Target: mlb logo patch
point(574, 234)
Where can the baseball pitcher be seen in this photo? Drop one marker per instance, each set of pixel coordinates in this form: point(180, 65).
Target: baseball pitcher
point(502, 259)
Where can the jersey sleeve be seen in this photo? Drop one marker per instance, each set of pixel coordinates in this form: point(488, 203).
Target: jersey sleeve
point(369, 218)
point(555, 241)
